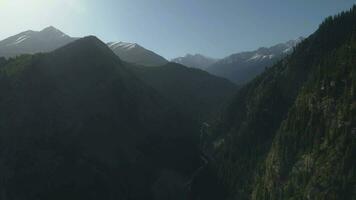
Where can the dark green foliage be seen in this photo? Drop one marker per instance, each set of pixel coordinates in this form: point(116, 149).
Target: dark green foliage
point(242, 137)
point(77, 124)
point(312, 156)
point(2, 61)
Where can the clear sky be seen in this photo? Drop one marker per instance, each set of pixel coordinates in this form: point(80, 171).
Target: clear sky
point(173, 28)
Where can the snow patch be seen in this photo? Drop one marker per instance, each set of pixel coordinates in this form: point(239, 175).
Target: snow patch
point(255, 57)
point(122, 45)
point(287, 50)
point(20, 39)
point(260, 57)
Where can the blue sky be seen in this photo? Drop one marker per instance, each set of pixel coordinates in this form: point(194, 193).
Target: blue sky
point(173, 28)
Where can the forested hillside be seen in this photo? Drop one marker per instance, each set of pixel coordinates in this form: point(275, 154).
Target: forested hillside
point(290, 132)
point(77, 124)
point(195, 92)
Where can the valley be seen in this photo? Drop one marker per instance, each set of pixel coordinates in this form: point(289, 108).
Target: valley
point(83, 118)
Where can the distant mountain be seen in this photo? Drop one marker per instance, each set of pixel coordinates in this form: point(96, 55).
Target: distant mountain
point(242, 67)
point(134, 53)
point(195, 61)
point(30, 42)
point(77, 123)
point(196, 92)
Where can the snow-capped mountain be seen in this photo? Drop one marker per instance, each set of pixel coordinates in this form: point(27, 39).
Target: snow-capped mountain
point(134, 53)
point(243, 67)
point(195, 61)
point(30, 42)
point(50, 38)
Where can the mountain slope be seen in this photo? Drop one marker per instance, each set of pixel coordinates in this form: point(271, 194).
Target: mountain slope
point(134, 53)
point(242, 67)
point(196, 92)
point(30, 42)
point(77, 124)
point(195, 61)
point(288, 133)
point(312, 155)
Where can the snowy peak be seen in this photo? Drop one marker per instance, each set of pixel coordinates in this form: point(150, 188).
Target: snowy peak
point(30, 42)
point(195, 61)
point(243, 67)
point(263, 53)
point(134, 53)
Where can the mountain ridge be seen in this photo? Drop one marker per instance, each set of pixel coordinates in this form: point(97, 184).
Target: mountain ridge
point(51, 38)
point(136, 54)
point(242, 67)
point(194, 91)
point(195, 61)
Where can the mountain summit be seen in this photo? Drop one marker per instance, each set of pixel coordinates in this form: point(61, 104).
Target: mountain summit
point(134, 53)
point(30, 42)
point(51, 38)
point(195, 61)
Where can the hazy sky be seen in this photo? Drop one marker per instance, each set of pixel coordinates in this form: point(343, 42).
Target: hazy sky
point(173, 28)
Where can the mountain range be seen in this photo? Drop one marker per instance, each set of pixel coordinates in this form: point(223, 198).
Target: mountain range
point(78, 122)
point(195, 61)
point(101, 123)
point(241, 68)
point(238, 68)
point(50, 38)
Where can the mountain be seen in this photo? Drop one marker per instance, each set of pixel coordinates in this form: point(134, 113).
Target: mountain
point(134, 53)
point(242, 67)
point(76, 123)
point(195, 61)
point(50, 38)
point(194, 91)
point(30, 42)
point(290, 133)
